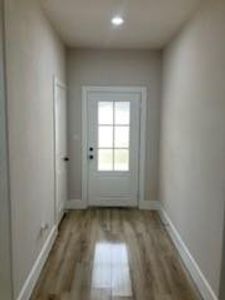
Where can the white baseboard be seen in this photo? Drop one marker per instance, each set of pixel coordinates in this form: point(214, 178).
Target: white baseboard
point(32, 278)
point(197, 275)
point(61, 215)
point(149, 205)
point(75, 204)
point(144, 205)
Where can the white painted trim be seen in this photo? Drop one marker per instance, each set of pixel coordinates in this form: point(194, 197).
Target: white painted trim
point(38, 266)
point(149, 205)
point(59, 83)
point(54, 143)
point(56, 83)
point(142, 149)
point(80, 204)
point(143, 116)
point(75, 204)
point(115, 203)
point(84, 147)
point(60, 217)
point(197, 275)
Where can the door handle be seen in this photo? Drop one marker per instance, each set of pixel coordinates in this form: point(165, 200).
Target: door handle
point(66, 159)
point(91, 157)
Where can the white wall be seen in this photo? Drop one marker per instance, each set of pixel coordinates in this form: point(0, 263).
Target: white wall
point(34, 55)
point(192, 167)
point(5, 263)
point(113, 68)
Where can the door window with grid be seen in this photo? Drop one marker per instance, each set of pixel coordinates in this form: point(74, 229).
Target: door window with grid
point(113, 136)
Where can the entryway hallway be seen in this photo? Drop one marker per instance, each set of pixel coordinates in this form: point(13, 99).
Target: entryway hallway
point(112, 149)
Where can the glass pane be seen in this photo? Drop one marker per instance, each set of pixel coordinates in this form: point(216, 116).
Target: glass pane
point(105, 160)
point(105, 113)
point(122, 113)
point(122, 137)
point(105, 137)
point(121, 160)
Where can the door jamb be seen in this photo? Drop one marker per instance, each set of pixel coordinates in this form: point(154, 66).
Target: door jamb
point(56, 83)
point(142, 137)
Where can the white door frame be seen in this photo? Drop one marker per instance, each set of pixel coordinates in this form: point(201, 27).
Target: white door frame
point(56, 83)
point(142, 136)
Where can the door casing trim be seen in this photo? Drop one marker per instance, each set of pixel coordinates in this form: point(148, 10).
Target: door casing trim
point(143, 117)
point(56, 84)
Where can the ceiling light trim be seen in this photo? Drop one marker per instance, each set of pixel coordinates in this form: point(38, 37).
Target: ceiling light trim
point(117, 21)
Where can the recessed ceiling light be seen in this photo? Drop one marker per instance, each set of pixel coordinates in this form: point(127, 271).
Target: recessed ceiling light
point(117, 21)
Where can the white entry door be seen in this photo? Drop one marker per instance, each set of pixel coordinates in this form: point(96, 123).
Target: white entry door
point(61, 159)
point(113, 148)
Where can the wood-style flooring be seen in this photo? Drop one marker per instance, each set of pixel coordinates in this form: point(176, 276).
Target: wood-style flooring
point(113, 254)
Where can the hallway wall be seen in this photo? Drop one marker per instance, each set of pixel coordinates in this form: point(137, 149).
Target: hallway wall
point(192, 167)
point(5, 234)
point(34, 55)
point(113, 68)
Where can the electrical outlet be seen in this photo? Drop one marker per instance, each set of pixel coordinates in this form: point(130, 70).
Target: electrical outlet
point(44, 227)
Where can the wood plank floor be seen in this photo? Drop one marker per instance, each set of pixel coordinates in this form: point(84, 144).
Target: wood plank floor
point(113, 254)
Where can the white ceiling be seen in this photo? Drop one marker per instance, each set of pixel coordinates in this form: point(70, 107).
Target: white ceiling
point(148, 23)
